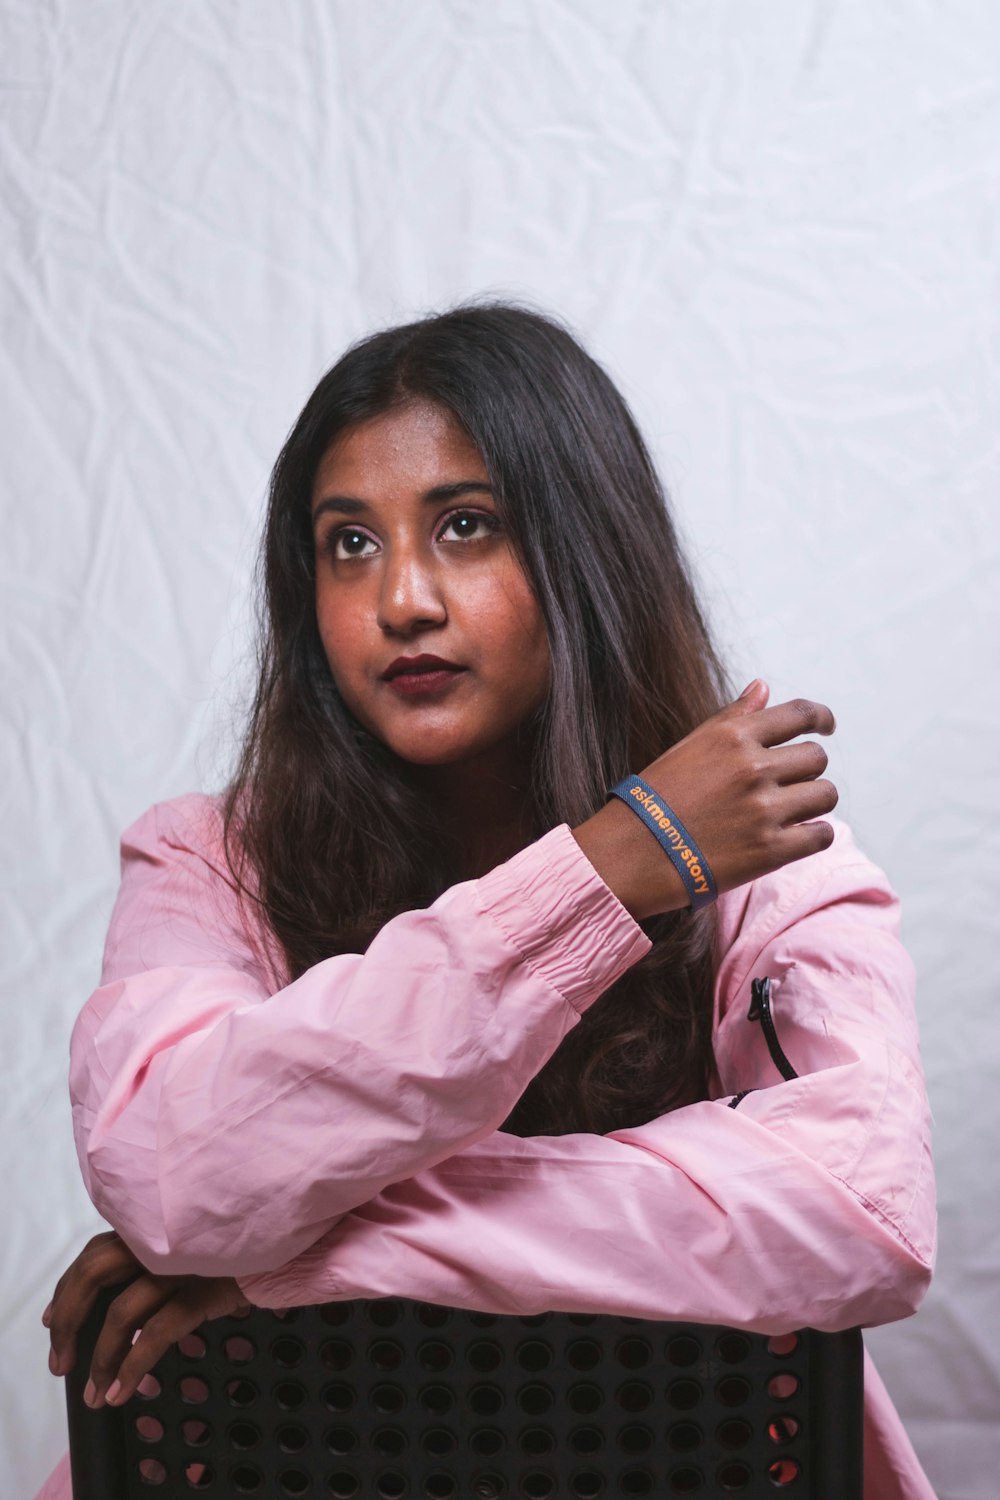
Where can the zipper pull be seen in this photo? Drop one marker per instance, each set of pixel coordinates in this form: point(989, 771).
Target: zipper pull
point(760, 1010)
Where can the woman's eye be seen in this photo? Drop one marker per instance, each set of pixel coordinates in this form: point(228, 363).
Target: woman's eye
point(469, 525)
point(349, 543)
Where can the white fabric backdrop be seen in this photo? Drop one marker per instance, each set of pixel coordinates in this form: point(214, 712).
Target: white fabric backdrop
point(775, 221)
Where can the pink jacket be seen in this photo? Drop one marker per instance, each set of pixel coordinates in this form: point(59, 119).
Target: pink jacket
point(341, 1140)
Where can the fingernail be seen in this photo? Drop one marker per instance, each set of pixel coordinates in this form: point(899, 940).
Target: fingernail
point(749, 688)
point(90, 1393)
point(46, 1315)
point(55, 1364)
point(113, 1391)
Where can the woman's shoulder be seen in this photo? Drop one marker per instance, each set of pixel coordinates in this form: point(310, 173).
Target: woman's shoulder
point(177, 876)
point(191, 826)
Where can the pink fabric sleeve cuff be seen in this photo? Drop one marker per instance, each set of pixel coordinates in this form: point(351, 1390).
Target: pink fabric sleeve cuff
point(568, 926)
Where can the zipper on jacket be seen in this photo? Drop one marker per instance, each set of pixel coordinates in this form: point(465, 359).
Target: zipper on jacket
point(760, 1010)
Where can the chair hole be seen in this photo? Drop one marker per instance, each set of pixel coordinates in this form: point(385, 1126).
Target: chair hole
point(783, 1471)
point(634, 1395)
point(635, 1439)
point(583, 1354)
point(734, 1434)
point(434, 1356)
point(733, 1348)
point(246, 1479)
point(482, 1319)
point(783, 1344)
point(289, 1395)
point(537, 1484)
point(685, 1437)
point(199, 1476)
point(384, 1313)
point(633, 1353)
point(782, 1387)
point(782, 1429)
point(585, 1399)
point(336, 1354)
point(385, 1355)
point(534, 1400)
point(288, 1352)
point(292, 1439)
point(148, 1388)
point(240, 1392)
point(536, 1441)
point(733, 1390)
point(439, 1486)
point(192, 1346)
point(388, 1399)
point(487, 1442)
point(581, 1320)
point(439, 1399)
point(438, 1442)
point(341, 1440)
point(686, 1481)
point(338, 1397)
point(734, 1475)
point(195, 1432)
point(192, 1389)
point(484, 1356)
point(389, 1442)
point(588, 1484)
point(431, 1316)
point(335, 1315)
point(391, 1485)
point(148, 1429)
point(534, 1355)
point(293, 1482)
point(343, 1485)
point(238, 1349)
point(151, 1471)
point(242, 1435)
point(636, 1482)
point(683, 1351)
point(683, 1395)
point(587, 1440)
point(489, 1487)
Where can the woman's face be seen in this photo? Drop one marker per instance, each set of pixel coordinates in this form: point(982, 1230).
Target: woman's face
point(411, 562)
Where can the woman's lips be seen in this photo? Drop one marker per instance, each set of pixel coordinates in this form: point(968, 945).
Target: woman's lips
point(425, 684)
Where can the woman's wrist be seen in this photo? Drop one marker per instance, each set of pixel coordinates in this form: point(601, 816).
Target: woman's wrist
point(620, 850)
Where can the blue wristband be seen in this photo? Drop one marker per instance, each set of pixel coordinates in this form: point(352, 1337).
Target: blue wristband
point(666, 826)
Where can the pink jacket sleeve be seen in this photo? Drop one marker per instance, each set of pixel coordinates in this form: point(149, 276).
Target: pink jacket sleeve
point(225, 1122)
point(811, 1203)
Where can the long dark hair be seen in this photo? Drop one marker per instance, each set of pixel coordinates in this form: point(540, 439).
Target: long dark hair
point(324, 825)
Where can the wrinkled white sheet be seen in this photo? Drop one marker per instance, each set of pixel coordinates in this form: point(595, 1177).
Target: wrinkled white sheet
point(776, 223)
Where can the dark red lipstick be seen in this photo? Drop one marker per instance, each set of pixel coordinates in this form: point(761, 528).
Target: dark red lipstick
point(421, 676)
point(423, 663)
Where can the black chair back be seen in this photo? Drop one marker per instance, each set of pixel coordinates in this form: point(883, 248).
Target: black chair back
point(396, 1400)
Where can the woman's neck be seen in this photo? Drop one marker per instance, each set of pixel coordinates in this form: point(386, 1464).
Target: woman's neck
point(483, 812)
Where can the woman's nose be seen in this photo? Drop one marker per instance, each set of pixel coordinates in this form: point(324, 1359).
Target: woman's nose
point(410, 596)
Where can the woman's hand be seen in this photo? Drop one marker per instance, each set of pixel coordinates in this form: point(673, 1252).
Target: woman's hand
point(162, 1308)
point(747, 798)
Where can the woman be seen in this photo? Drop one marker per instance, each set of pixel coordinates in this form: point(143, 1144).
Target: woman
point(501, 1063)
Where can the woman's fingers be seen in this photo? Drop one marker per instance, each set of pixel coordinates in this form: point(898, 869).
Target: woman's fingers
point(190, 1303)
point(787, 720)
point(793, 763)
point(103, 1261)
point(808, 801)
point(130, 1310)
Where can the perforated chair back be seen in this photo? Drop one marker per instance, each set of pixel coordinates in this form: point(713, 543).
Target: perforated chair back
point(395, 1400)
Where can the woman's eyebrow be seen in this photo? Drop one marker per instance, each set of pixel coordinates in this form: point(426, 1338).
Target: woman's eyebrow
point(348, 505)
